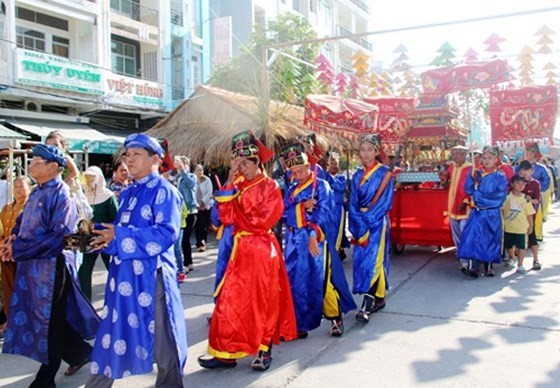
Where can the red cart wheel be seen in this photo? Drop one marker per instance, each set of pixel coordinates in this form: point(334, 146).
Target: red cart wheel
point(398, 249)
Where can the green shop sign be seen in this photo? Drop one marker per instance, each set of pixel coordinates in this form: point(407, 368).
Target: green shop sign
point(40, 69)
point(105, 147)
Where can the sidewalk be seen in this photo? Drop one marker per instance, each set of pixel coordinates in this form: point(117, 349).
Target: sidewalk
point(439, 329)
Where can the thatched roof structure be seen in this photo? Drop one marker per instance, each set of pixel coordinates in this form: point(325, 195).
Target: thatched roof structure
point(202, 126)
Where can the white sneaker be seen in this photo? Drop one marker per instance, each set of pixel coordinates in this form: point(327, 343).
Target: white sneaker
point(521, 270)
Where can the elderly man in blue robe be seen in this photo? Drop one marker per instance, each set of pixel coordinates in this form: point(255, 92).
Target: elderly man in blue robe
point(142, 318)
point(50, 319)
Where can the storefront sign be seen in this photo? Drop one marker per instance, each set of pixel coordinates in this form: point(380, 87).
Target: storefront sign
point(135, 92)
point(50, 71)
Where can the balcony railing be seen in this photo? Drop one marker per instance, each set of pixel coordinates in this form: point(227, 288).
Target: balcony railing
point(361, 4)
point(176, 13)
point(135, 11)
point(360, 41)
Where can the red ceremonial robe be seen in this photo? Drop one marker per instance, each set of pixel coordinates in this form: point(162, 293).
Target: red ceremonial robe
point(254, 306)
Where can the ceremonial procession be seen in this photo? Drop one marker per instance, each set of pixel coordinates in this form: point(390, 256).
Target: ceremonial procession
point(197, 193)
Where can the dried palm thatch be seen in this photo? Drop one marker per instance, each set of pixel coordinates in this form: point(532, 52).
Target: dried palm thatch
point(202, 126)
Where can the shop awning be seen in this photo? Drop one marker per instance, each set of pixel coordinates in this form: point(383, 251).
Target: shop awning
point(80, 137)
point(6, 133)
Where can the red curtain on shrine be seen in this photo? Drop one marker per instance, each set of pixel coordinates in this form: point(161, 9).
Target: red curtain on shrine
point(343, 117)
point(394, 120)
point(465, 76)
point(527, 113)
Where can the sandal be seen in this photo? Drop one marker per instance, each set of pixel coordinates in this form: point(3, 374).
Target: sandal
point(490, 273)
point(262, 362)
point(537, 266)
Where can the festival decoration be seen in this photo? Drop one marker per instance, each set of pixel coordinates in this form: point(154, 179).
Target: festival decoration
point(525, 59)
point(545, 41)
point(524, 114)
point(325, 72)
point(493, 44)
point(463, 77)
point(434, 120)
point(551, 75)
point(446, 55)
point(355, 87)
point(360, 63)
point(399, 63)
point(394, 120)
point(471, 55)
point(341, 82)
point(345, 118)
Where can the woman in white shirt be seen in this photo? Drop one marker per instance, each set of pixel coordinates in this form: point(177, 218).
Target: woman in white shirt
point(205, 202)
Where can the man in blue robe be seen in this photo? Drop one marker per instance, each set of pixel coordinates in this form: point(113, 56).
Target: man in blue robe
point(316, 276)
point(50, 319)
point(338, 183)
point(142, 318)
point(371, 198)
point(481, 240)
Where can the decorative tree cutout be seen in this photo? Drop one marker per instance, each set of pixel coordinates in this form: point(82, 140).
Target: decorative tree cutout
point(545, 41)
point(525, 59)
point(493, 44)
point(325, 72)
point(355, 87)
point(341, 83)
point(411, 86)
point(379, 85)
point(360, 63)
point(471, 55)
point(446, 55)
point(551, 75)
point(290, 78)
point(399, 63)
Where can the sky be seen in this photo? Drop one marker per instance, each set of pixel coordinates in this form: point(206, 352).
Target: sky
point(423, 43)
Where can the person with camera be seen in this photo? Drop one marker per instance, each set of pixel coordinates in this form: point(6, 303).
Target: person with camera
point(50, 319)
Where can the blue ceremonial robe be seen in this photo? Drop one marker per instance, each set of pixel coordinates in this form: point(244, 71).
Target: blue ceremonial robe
point(48, 216)
point(338, 185)
point(147, 225)
point(225, 245)
point(370, 227)
point(307, 273)
point(482, 237)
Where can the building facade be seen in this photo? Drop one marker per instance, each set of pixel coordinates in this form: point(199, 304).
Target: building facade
point(231, 24)
point(97, 70)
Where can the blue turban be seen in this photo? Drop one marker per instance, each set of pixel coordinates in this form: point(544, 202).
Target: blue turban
point(139, 140)
point(50, 154)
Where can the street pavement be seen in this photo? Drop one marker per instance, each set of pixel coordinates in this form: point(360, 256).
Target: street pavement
point(439, 329)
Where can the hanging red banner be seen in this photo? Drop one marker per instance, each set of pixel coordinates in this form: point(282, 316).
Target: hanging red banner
point(394, 120)
point(523, 114)
point(346, 118)
point(465, 76)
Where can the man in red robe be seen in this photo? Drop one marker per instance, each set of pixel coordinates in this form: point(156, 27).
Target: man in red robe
point(457, 198)
point(254, 306)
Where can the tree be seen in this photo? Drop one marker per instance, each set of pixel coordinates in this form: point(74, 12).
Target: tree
point(289, 80)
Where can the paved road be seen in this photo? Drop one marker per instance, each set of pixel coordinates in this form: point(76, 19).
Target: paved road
point(439, 329)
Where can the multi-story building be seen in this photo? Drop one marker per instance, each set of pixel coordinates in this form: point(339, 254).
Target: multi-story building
point(232, 23)
point(96, 68)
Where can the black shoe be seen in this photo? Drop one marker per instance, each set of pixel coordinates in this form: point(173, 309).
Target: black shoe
point(71, 370)
point(470, 272)
point(262, 362)
point(342, 254)
point(216, 363)
point(302, 334)
point(337, 327)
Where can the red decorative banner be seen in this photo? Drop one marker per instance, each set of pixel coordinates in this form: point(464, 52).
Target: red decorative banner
point(527, 113)
point(346, 118)
point(394, 120)
point(465, 76)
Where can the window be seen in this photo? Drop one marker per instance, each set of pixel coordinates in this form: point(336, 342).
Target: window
point(30, 39)
point(123, 58)
point(41, 18)
point(60, 46)
point(312, 6)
